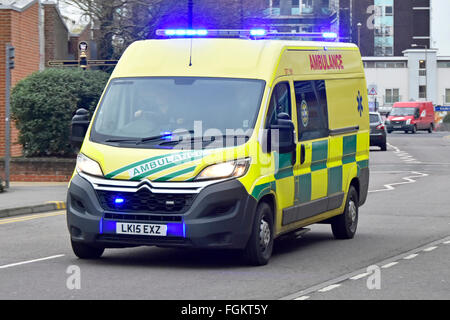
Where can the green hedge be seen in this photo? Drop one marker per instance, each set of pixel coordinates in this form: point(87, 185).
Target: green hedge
point(43, 105)
point(447, 118)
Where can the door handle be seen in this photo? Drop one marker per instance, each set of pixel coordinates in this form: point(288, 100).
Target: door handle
point(302, 154)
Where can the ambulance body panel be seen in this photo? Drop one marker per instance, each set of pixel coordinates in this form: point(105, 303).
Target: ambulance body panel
point(319, 87)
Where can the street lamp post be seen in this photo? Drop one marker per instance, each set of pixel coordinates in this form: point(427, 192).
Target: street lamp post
point(359, 34)
point(426, 65)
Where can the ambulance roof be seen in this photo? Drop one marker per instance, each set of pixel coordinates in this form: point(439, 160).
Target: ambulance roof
point(212, 57)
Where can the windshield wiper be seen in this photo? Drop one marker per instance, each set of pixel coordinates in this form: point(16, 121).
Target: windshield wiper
point(205, 139)
point(152, 138)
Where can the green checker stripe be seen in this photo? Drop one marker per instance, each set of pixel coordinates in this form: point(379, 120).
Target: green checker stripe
point(362, 165)
point(261, 190)
point(284, 165)
point(349, 149)
point(303, 188)
point(175, 174)
point(319, 155)
point(334, 180)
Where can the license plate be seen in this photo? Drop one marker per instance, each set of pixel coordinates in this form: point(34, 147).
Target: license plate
point(159, 230)
point(397, 127)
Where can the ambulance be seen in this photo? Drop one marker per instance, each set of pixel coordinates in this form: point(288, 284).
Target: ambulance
point(221, 140)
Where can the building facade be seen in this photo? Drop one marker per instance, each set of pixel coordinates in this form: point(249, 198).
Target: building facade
point(389, 27)
point(419, 75)
point(302, 15)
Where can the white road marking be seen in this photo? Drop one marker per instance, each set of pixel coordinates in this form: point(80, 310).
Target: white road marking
point(389, 265)
point(30, 261)
point(411, 256)
point(446, 242)
point(302, 298)
point(359, 276)
point(429, 249)
point(408, 180)
point(329, 288)
point(404, 156)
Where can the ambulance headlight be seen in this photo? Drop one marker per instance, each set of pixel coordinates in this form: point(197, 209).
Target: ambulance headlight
point(232, 169)
point(89, 166)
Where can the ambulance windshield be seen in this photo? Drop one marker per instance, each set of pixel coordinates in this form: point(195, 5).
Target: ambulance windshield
point(152, 109)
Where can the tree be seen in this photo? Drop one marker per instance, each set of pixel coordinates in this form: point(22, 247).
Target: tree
point(118, 23)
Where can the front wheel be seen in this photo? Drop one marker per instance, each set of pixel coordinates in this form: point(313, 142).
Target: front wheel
point(344, 226)
point(260, 245)
point(430, 130)
point(84, 251)
point(414, 130)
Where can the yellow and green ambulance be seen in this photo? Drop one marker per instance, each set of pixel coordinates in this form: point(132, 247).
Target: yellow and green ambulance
point(221, 143)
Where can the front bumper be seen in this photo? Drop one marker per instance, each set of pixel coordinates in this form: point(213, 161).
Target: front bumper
point(399, 127)
point(220, 216)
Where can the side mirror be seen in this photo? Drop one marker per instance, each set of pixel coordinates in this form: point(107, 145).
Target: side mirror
point(282, 135)
point(80, 124)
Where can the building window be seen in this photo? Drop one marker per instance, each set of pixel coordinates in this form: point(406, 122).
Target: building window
point(447, 95)
point(392, 96)
point(443, 64)
point(295, 10)
point(422, 92)
point(422, 64)
point(388, 11)
point(388, 51)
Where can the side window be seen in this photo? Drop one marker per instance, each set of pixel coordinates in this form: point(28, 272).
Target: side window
point(280, 102)
point(312, 109)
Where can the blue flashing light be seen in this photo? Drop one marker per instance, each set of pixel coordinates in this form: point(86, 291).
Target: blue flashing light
point(329, 35)
point(166, 135)
point(119, 201)
point(176, 229)
point(258, 32)
point(186, 32)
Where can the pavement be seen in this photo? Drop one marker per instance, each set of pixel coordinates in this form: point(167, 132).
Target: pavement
point(404, 231)
point(32, 197)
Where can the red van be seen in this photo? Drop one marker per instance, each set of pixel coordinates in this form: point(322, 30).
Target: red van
point(410, 117)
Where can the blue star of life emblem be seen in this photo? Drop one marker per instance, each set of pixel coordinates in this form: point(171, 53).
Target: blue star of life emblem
point(360, 105)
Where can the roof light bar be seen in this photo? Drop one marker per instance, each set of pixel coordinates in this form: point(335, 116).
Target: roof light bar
point(253, 33)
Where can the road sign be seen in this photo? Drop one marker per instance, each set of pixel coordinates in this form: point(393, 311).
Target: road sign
point(373, 88)
point(83, 46)
point(442, 108)
point(76, 63)
point(63, 63)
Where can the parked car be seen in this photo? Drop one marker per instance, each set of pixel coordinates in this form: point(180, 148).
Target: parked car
point(411, 117)
point(378, 134)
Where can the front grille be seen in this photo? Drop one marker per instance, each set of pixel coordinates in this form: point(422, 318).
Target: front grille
point(143, 240)
point(397, 123)
point(145, 201)
point(141, 217)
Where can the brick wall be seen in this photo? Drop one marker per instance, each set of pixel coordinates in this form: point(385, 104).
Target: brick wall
point(39, 169)
point(21, 29)
point(56, 34)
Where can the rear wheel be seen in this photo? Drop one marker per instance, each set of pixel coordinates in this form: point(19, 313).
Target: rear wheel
point(383, 147)
point(260, 245)
point(344, 226)
point(84, 251)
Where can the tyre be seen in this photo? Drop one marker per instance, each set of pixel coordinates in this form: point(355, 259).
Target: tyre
point(389, 131)
point(383, 147)
point(84, 251)
point(260, 245)
point(344, 226)
point(414, 130)
point(430, 130)
point(406, 131)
